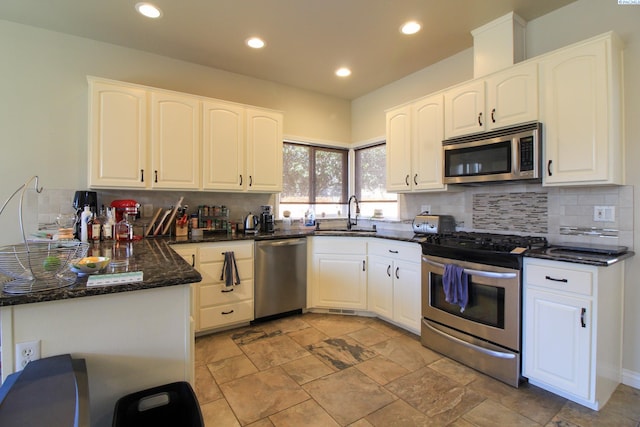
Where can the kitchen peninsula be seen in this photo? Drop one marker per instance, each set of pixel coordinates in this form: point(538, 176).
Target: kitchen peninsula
point(132, 336)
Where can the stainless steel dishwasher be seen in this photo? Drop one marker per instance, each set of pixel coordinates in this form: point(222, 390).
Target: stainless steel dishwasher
point(280, 277)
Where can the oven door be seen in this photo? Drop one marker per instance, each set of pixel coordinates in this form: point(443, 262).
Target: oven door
point(493, 310)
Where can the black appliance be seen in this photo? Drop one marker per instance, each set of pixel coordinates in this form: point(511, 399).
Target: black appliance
point(486, 335)
point(267, 224)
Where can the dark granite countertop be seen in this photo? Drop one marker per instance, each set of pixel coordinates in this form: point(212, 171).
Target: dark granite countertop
point(161, 267)
point(406, 236)
point(598, 260)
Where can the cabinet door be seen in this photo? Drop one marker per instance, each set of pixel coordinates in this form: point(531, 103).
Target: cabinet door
point(407, 285)
point(380, 286)
point(117, 136)
point(175, 141)
point(264, 151)
point(426, 146)
point(340, 281)
point(223, 146)
point(464, 109)
point(575, 103)
point(398, 147)
point(557, 341)
point(512, 96)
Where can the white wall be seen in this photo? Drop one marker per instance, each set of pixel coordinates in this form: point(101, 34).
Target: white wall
point(43, 104)
point(572, 23)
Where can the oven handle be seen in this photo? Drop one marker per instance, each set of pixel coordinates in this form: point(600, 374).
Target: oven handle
point(491, 274)
point(486, 351)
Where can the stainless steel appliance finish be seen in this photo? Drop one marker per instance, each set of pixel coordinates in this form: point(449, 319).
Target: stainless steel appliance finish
point(251, 224)
point(511, 154)
point(487, 334)
point(431, 224)
point(280, 284)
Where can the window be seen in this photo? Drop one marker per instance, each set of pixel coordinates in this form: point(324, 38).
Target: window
point(370, 185)
point(314, 177)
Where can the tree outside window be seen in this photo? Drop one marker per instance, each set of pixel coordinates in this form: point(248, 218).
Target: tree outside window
point(370, 182)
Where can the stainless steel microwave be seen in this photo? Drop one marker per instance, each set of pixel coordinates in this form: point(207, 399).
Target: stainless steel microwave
point(511, 154)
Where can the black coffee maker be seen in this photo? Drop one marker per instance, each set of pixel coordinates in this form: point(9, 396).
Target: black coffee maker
point(80, 199)
point(266, 219)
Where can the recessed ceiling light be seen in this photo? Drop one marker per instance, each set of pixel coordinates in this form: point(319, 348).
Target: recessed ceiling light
point(410, 27)
point(255, 43)
point(148, 10)
point(343, 72)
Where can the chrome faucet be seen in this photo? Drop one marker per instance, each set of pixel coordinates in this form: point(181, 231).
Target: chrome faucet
point(349, 223)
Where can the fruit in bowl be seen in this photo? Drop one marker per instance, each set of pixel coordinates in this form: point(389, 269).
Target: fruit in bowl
point(90, 264)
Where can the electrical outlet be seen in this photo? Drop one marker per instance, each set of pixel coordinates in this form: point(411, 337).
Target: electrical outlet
point(425, 208)
point(26, 352)
point(604, 213)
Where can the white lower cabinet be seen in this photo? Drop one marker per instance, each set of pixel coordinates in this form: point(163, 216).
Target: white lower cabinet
point(337, 277)
point(215, 304)
point(394, 282)
point(572, 329)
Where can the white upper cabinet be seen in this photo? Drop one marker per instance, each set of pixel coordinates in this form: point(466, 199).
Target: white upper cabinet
point(414, 146)
point(264, 151)
point(512, 96)
point(142, 137)
point(464, 109)
point(582, 113)
point(506, 98)
point(117, 136)
point(175, 141)
point(398, 148)
point(427, 132)
point(223, 146)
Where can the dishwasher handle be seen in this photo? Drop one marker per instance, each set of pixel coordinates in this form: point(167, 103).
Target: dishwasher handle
point(282, 242)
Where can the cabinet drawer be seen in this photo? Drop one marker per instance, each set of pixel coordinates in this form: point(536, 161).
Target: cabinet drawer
point(221, 315)
point(211, 271)
point(578, 281)
point(221, 294)
point(215, 252)
point(339, 245)
point(405, 251)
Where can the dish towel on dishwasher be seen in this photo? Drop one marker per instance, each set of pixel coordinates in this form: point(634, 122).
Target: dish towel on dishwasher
point(456, 286)
point(230, 270)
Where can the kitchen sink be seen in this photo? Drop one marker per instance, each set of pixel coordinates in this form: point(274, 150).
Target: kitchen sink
point(344, 232)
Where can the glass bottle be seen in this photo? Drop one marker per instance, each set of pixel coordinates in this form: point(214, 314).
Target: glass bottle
point(124, 229)
point(107, 226)
point(96, 227)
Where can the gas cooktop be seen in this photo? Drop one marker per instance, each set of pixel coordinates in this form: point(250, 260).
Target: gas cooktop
point(504, 250)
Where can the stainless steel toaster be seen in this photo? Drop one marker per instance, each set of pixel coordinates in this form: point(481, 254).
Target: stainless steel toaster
point(425, 223)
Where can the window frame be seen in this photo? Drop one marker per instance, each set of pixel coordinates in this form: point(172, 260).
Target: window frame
point(313, 149)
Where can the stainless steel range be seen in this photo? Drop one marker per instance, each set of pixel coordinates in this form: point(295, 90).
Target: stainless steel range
point(485, 332)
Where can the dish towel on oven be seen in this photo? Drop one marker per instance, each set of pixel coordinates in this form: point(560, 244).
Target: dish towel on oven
point(230, 270)
point(456, 286)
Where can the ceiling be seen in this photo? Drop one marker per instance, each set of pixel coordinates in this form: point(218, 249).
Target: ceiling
point(307, 40)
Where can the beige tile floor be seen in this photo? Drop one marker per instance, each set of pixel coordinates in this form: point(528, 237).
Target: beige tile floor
point(334, 370)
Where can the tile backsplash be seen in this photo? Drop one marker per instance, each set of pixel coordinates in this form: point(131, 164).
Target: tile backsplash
point(560, 214)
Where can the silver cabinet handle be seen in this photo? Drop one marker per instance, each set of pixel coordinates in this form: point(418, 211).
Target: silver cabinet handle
point(486, 351)
point(491, 274)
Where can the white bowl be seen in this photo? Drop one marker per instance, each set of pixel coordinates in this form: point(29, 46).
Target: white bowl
point(90, 264)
